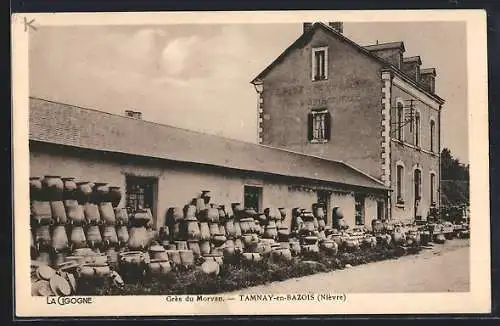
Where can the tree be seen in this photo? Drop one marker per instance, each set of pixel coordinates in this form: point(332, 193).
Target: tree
point(451, 168)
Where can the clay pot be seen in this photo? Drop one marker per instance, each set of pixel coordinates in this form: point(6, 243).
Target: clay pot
point(283, 233)
point(107, 213)
point(187, 257)
point(138, 238)
point(175, 215)
point(398, 237)
point(238, 244)
point(36, 192)
point(181, 245)
point(194, 246)
point(295, 248)
point(377, 226)
point(58, 212)
point(115, 196)
point(75, 214)
point(41, 212)
point(214, 229)
point(218, 239)
point(246, 225)
point(439, 238)
point(78, 239)
point(321, 224)
point(270, 232)
point(237, 229)
point(109, 235)
point(91, 212)
point(141, 217)
point(84, 192)
point(318, 211)
point(281, 254)
point(122, 234)
point(308, 226)
point(282, 212)
point(190, 212)
point(237, 209)
point(53, 187)
point(176, 231)
point(93, 236)
point(329, 246)
point(200, 205)
point(211, 215)
point(264, 248)
point(204, 231)
point(222, 213)
point(121, 216)
point(230, 228)
point(69, 188)
point(159, 267)
point(351, 244)
point(100, 192)
point(205, 195)
point(59, 238)
point(42, 236)
point(193, 229)
point(205, 247)
point(210, 267)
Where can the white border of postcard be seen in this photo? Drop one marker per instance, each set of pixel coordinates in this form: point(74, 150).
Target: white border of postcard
point(478, 300)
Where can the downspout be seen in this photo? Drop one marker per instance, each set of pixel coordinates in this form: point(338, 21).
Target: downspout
point(439, 162)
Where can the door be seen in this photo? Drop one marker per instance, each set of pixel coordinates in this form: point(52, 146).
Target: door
point(141, 193)
point(380, 210)
point(417, 185)
point(359, 208)
point(324, 200)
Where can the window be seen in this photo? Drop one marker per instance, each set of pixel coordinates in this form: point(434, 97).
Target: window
point(417, 129)
point(433, 189)
point(253, 197)
point(399, 185)
point(380, 210)
point(140, 193)
point(319, 63)
point(319, 126)
point(400, 114)
point(359, 206)
point(418, 184)
point(433, 126)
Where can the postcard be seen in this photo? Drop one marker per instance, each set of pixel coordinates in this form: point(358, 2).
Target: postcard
point(250, 163)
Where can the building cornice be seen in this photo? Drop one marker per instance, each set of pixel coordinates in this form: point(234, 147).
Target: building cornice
point(412, 90)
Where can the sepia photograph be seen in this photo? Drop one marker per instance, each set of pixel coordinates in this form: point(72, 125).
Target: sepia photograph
point(293, 160)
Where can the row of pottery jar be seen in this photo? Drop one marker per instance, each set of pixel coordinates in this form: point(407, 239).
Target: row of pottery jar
point(70, 212)
point(56, 188)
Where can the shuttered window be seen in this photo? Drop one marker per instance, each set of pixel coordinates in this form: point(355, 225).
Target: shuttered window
point(319, 122)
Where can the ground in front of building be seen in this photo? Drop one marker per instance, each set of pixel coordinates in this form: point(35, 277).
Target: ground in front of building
point(444, 268)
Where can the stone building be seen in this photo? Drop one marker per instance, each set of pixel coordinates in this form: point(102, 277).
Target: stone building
point(159, 166)
point(369, 106)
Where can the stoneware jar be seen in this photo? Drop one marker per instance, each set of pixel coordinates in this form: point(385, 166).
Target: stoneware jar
point(115, 196)
point(70, 188)
point(35, 189)
point(53, 187)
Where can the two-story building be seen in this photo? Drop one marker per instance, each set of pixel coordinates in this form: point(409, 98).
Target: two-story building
point(369, 106)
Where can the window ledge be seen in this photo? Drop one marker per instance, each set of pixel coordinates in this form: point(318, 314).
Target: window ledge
point(400, 205)
point(317, 141)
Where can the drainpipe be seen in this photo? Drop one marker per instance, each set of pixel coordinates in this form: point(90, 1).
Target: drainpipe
point(439, 162)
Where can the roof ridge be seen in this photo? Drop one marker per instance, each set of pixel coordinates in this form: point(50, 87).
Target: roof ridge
point(142, 120)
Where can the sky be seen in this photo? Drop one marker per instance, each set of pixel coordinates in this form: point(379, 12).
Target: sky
point(198, 76)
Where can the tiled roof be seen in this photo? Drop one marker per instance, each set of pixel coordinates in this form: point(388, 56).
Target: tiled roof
point(64, 124)
point(384, 46)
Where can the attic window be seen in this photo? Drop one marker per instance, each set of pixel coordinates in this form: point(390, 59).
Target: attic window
point(319, 63)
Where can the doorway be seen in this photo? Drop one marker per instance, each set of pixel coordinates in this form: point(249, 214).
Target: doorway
point(380, 210)
point(252, 197)
point(417, 186)
point(324, 199)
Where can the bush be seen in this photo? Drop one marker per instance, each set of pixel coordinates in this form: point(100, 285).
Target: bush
point(235, 277)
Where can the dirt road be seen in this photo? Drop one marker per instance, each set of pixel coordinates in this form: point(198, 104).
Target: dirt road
point(444, 268)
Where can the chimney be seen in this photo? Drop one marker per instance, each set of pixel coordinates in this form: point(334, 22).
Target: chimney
point(391, 52)
point(411, 67)
point(428, 79)
point(306, 27)
point(133, 114)
point(338, 26)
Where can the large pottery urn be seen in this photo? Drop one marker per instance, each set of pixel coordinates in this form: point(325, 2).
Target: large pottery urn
point(175, 215)
point(70, 188)
point(138, 238)
point(36, 192)
point(42, 236)
point(75, 214)
point(115, 195)
point(237, 210)
point(84, 192)
point(78, 239)
point(121, 216)
point(93, 236)
point(59, 238)
point(100, 192)
point(91, 212)
point(122, 234)
point(109, 235)
point(53, 187)
point(318, 211)
point(141, 217)
point(107, 213)
point(193, 229)
point(58, 212)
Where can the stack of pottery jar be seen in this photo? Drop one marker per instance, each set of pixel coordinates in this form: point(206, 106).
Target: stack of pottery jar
point(308, 233)
point(249, 235)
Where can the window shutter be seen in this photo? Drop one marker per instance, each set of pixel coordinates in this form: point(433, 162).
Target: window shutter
point(310, 126)
point(328, 124)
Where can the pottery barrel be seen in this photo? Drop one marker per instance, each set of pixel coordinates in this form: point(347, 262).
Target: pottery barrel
point(69, 188)
point(75, 214)
point(107, 213)
point(141, 217)
point(109, 235)
point(93, 236)
point(174, 257)
point(83, 192)
point(42, 236)
point(187, 257)
point(59, 238)
point(194, 246)
point(41, 212)
point(190, 212)
point(204, 231)
point(295, 248)
point(138, 238)
point(53, 187)
point(205, 247)
point(230, 228)
point(91, 212)
point(78, 239)
point(193, 229)
point(210, 267)
point(115, 196)
point(214, 228)
point(122, 234)
point(121, 215)
point(36, 192)
point(237, 229)
point(100, 192)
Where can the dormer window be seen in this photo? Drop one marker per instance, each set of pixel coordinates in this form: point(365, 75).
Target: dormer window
point(319, 63)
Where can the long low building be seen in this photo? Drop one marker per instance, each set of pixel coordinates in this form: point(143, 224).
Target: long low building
point(160, 166)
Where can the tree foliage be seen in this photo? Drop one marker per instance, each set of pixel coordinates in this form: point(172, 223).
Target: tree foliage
point(451, 168)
